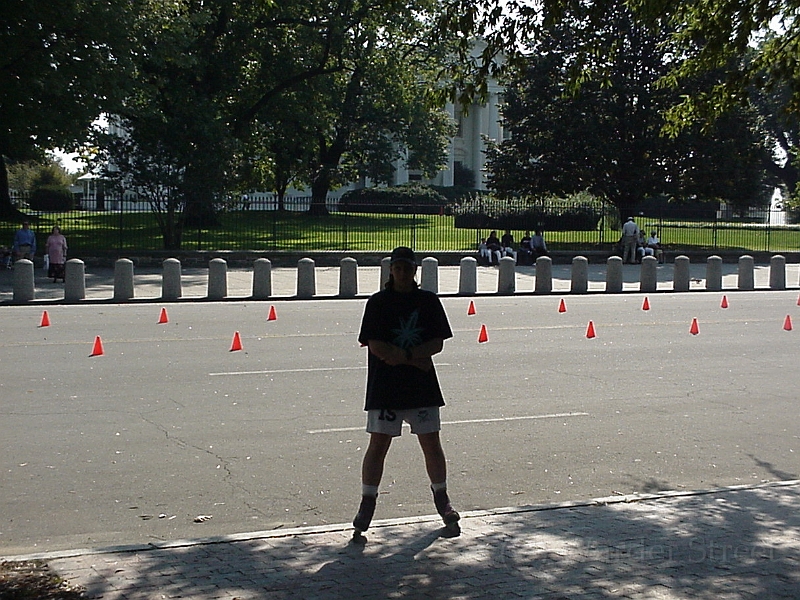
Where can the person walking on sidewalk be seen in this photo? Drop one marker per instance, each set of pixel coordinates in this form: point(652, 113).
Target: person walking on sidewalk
point(403, 327)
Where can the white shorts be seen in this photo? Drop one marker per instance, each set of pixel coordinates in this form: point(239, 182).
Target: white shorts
point(390, 422)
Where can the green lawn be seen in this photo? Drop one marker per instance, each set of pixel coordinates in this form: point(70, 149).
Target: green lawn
point(276, 231)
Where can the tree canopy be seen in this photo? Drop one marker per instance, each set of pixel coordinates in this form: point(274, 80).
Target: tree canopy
point(62, 63)
point(606, 135)
point(743, 41)
point(229, 95)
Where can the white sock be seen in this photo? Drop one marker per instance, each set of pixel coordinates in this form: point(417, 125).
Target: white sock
point(369, 490)
point(439, 486)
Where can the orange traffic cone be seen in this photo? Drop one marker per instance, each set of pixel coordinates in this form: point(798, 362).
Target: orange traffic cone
point(787, 323)
point(471, 309)
point(646, 304)
point(694, 329)
point(562, 307)
point(237, 342)
point(45, 320)
point(483, 336)
point(724, 303)
point(97, 349)
point(162, 318)
point(272, 316)
point(590, 331)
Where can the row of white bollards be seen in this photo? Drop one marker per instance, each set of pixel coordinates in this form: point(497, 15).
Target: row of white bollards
point(75, 277)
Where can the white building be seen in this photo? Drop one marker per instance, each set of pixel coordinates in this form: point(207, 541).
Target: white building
point(477, 127)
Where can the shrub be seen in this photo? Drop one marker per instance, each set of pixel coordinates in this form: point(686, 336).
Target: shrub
point(413, 198)
point(579, 212)
point(51, 198)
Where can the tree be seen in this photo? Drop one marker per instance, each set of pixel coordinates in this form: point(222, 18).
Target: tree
point(781, 129)
point(216, 89)
point(29, 175)
point(606, 135)
point(62, 63)
point(716, 35)
point(376, 109)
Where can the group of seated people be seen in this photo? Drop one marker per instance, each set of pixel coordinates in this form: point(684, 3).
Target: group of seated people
point(492, 248)
point(649, 247)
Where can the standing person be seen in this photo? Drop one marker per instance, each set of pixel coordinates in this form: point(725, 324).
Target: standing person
point(630, 236)
point(56, 249)
point(24, 243)
point(403, 327)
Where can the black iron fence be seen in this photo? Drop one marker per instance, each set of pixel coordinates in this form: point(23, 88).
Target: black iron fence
point(257, 222)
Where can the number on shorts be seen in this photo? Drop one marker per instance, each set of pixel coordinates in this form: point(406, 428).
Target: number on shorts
point(387, 415)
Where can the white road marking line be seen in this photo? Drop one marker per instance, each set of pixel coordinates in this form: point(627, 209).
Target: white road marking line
point(288, 371)
point(494, 420)
point(309, 370)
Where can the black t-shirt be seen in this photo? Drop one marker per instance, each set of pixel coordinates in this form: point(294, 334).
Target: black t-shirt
point(405, 320)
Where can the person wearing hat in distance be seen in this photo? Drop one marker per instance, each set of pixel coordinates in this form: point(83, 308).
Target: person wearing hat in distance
point(403, 327)
point(630, 236)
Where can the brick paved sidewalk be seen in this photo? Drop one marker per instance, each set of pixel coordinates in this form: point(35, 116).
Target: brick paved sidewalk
point(741, 542)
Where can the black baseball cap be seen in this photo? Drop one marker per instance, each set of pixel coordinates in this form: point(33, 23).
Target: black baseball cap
point(405, 254)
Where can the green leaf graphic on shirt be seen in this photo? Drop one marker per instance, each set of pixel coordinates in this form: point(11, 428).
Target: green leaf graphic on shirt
point(409, 334)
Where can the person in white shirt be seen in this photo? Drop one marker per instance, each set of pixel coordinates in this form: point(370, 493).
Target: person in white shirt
point(630, 235)
point(654, 244)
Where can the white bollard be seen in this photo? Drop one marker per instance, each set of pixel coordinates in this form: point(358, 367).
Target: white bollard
point(74, 280)
point(217, 279)
point(714, 273)
point(123, 279)
point(306, 278)
point(23, 281)
point(777, 272)
point(507, 276)
point(348, 277)
point(680, 275)
point(544, 275)
point(580, 275)
point(262, 279)
point(746, 279)
point(430, 275)
point(468, 276)
point(648, 276)
point(614, 275)
point(171, 287)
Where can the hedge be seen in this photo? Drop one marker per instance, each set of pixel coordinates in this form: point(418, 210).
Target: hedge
point(419, 199)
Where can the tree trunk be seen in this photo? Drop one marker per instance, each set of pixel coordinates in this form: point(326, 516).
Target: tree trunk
point(319, 193)
point(8, 212)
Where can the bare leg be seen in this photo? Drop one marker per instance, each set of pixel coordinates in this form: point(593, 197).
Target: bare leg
point(372, 466)
point(435, 462)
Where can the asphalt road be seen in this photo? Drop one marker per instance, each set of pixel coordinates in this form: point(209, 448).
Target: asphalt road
point(168, 425)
